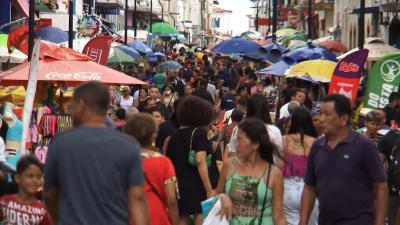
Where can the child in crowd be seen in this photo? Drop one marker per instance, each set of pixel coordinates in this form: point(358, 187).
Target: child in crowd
point(23, 208)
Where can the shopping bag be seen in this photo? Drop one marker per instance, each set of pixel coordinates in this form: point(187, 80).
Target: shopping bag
point(213, 217)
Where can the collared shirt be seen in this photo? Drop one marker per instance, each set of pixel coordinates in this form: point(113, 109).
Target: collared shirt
point(344, 178)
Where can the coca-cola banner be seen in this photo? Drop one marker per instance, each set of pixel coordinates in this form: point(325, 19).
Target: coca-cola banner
point(98, 49)
point(347, 74)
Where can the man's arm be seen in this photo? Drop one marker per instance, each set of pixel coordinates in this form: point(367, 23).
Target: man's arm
point(381, 202)
point(51, 196)
point(137, 205)
point(307, 203)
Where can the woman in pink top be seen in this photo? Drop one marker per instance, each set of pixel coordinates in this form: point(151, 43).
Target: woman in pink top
point(296, 147)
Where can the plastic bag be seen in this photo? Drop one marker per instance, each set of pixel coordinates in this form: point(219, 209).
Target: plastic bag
point(212, 217)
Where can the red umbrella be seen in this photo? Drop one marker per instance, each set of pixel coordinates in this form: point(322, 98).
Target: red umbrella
point(334, 46)
point(66, 65)
point(19, 39)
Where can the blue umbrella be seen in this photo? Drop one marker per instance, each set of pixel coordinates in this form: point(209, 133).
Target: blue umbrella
point(130, 51)
point(311, 52)
point(153, 57)
point(140, 47)
point(169, 65)
point(278, 68)
point(236, 45)
point(275, 52)
point(52, 34)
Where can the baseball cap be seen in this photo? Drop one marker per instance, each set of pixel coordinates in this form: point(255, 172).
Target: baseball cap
point(141, 65)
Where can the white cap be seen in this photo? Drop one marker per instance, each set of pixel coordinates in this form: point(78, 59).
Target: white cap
point(141, 64)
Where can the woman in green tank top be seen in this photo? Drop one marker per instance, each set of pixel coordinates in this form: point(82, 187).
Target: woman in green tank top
point(251, 187)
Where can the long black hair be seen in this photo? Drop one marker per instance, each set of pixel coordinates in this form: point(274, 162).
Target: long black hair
point(301, 123)
point(257, 107)
point(256, 131)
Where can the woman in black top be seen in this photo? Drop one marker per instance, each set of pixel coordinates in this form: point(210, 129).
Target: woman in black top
point(194, 181)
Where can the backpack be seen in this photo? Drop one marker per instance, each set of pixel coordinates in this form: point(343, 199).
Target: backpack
point(394, 164)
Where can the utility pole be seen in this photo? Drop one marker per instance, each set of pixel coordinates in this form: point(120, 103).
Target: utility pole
point(309, 19)
point(361, 27)
point(126, 22)
point(151, 16)
point(162, 10)
point(134, 21)
point(257, 11)
point(274, 19)
point(269, 16)
point(31, 28)
point(70, 24)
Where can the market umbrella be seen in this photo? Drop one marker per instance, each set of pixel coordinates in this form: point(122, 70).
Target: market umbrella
point(286, 32)
point(4, 55)
point(129, 51)
point(141, 35)
point(295, 44)
point(13, 94)
point(278, 68)
point(141, 47)
point(236, 45)
point(118, 57)
point(68, 66)
point(319, 70)
point(274, 52)
point(153, 57)
point(163, 28)
point(78, 44)
point(376, 51)
point(286, 40)
point(333, 46)
point(310, 52)
point(52, 34)
point(169, 65)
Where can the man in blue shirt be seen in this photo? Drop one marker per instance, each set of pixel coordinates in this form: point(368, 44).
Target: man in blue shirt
point(344, 172)
point(93, 174)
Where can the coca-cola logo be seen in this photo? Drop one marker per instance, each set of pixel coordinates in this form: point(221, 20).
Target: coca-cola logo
point(81, 76)
point(348, 67)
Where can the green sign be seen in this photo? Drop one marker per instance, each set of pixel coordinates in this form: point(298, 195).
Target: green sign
point(384, 78)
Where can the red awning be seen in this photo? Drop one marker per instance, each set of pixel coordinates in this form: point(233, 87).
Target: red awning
point(23, 7)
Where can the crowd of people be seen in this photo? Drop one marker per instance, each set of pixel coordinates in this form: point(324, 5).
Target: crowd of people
point(151, 154)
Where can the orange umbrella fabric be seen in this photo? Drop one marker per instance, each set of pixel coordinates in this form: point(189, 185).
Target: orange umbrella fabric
point(68, 66)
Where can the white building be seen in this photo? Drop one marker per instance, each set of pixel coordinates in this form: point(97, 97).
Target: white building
point(221, 21)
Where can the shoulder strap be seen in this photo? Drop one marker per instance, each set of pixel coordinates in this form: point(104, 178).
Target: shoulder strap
point(191, 139)
point(265, 196)
point(153, 189)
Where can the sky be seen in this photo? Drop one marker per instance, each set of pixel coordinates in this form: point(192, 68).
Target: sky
point(240, 8)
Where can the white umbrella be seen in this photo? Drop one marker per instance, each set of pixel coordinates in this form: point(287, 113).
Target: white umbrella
point(78, 44)
point(4, 55)
point(377, 50)
point(140, 36)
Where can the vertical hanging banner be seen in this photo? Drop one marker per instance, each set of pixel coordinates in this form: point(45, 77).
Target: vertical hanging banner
point(98, 49)
point(30, 94)
point(347, 74)
point(383, 79)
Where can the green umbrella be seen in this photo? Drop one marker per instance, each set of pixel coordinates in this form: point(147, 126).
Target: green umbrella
point(299, 37)
point(163, 29)
point(3, 40)
point(119, 57)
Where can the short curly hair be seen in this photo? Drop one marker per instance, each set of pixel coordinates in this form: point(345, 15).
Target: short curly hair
point(195, 111)
point(142, 127)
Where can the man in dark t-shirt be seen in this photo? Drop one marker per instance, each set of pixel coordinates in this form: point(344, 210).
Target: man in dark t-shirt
point(344, 172)
point(93, 174)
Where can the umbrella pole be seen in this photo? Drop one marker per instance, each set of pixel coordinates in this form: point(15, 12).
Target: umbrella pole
point(61, 101)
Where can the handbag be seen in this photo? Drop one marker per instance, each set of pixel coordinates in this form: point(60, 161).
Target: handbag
point(192, 153)
point(265, 197)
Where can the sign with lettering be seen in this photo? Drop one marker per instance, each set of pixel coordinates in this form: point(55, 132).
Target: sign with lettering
point(347, 74)
point(382, 81)
point(98, 49)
